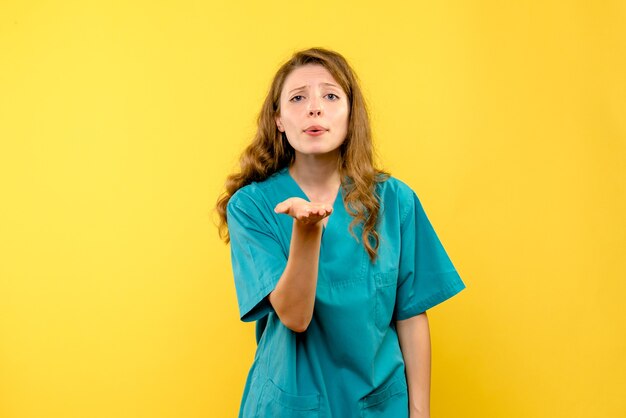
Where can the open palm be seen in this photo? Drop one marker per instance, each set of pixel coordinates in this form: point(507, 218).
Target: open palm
point(304, 211)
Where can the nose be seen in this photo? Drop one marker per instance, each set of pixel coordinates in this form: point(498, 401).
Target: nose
point(315, 108)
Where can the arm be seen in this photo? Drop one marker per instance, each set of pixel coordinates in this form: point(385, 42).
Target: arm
point(414, 337)
point(293, 297)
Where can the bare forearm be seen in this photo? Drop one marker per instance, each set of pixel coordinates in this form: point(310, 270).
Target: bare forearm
point(414, 336)
point(294, 296)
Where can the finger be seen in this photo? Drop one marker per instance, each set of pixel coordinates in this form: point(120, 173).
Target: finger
point(283, 207)
point(301, 213)
point(324, 211)
point(318, 211)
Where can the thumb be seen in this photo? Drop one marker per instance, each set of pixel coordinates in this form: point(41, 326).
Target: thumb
point(283, 207)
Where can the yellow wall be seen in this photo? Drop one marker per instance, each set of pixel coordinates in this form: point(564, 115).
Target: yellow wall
point(119, 121)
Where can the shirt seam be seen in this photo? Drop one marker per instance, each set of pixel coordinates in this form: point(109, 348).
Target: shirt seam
point(432, 300)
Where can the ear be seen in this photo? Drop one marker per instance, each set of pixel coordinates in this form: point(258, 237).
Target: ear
point(279, 124)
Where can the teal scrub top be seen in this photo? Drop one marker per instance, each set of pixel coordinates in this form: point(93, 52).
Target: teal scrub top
point(348, 362)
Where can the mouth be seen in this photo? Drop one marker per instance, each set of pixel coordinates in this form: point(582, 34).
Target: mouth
point(315, 129)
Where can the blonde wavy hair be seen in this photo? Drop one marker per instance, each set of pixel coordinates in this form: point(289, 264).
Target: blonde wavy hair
point(270, 152)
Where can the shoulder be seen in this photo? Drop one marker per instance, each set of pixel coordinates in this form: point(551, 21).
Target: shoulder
point(244, 196)
point(394, 189)
point(254, 196)
point(397, 197)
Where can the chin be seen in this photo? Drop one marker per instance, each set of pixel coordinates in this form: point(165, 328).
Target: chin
point(317, 153)
point(317, 149)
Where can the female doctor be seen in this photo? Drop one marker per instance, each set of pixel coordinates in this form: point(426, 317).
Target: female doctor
point(334, 259)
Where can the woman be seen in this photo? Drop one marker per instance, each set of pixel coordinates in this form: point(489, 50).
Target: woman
point(335, 259)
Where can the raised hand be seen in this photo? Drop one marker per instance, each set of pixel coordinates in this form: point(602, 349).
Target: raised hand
point(303, 211)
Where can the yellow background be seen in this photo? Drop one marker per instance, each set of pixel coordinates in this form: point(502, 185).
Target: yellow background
point(119, 122)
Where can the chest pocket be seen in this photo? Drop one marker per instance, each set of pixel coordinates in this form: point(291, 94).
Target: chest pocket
point(274, 402)
point(386, 283)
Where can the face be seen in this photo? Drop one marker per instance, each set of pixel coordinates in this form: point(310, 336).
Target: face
point(313, 111)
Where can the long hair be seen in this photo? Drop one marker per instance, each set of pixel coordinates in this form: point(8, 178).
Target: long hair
point(269, 151)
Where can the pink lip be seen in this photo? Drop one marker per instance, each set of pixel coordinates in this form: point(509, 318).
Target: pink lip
point(315, 130)
point(315, 133)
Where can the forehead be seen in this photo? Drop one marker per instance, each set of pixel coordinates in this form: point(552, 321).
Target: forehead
point(310, 74)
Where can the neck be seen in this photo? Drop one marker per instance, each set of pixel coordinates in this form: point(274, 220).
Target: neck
point(317, 172)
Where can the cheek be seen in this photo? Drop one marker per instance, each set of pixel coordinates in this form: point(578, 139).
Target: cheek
point(341, 117)
point(287, 119)
point(342, 113)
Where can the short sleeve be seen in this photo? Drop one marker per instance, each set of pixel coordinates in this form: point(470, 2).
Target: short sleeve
point(258, 260)
point(426, 274)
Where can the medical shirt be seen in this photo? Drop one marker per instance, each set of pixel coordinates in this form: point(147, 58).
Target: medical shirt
point(348, 362)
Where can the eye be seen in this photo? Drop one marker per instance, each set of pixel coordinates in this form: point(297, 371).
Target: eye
point(294, 97)
point(334, 95)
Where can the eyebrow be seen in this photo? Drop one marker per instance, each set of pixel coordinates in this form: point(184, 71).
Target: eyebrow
point(303, 87)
